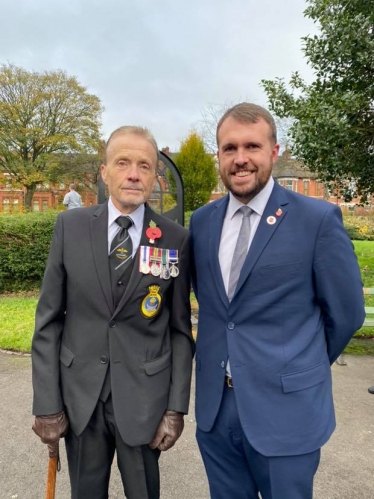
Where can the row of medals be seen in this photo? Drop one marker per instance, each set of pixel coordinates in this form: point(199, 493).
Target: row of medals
point(159, 262)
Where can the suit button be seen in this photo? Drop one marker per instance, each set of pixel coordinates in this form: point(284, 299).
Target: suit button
point(104, 359)
point(223, 364)
point(112, 324)
point(231, 326)
point(120, 283)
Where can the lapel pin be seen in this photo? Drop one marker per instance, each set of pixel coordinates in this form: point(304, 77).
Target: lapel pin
point(271, 220)
point(279, 212)
point(153, 232)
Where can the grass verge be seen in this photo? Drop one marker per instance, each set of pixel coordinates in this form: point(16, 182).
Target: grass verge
point(17, 322)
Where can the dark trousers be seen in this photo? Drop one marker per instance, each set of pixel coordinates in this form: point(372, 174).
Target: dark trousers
point(236, 470)
point(90, 457)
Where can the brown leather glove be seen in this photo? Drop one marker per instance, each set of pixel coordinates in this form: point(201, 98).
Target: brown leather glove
point(50, 429)
point(168, 431)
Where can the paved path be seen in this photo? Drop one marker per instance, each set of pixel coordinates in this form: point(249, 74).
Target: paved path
point(346, 470)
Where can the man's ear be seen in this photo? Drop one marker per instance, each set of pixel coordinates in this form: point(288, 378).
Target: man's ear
point(275, 152)
point(103, 173)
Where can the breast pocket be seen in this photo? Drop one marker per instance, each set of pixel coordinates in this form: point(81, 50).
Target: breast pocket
point(283, 268)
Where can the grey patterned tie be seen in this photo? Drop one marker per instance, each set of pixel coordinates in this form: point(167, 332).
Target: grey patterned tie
point(241, 250)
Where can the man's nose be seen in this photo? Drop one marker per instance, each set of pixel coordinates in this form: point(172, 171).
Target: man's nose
point(240, 158)
point(132, 172)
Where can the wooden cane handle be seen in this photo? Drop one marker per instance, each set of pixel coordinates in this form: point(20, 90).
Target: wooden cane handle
point(51, 478)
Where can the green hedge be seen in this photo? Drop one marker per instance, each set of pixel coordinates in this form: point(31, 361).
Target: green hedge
point(359, 228)
point(25, 240)
point(24, 246)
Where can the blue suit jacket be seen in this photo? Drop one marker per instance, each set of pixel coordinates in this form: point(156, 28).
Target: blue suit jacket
point(298, 302)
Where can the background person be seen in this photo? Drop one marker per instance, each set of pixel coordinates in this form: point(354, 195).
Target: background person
point(72, 199)
point(112, 348)
point(271, 319)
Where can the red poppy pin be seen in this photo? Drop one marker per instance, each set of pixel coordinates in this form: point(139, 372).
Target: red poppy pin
point(153, 232)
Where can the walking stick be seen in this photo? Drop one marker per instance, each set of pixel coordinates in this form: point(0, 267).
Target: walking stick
point(52, 472)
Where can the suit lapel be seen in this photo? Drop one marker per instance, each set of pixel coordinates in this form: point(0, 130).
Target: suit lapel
point(99, 240)
point(215, 229)
point(265, 231)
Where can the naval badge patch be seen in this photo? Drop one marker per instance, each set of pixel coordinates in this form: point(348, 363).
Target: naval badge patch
point(151, 303)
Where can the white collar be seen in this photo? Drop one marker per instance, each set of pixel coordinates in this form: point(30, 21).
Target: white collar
point(137, 216)
point(257, 204)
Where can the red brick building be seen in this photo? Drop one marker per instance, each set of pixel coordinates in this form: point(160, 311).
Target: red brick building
point(47, 196)
point(287, 171)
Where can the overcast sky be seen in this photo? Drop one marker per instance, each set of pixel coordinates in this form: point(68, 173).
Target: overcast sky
point(159, 63)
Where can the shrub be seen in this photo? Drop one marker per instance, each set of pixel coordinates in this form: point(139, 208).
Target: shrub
point(24, 245)
point(359, 228)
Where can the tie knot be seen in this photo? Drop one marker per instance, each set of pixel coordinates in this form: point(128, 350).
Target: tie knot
point(124, 222)
point(245, 210)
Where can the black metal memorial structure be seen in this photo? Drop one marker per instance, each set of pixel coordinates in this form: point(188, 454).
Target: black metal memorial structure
point(167, 198)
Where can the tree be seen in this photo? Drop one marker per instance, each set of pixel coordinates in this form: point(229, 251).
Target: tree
point(333, 128)
point(211, 115)
point(80, 168)
point(198, 171)
point(43, 115)
point(207, 126)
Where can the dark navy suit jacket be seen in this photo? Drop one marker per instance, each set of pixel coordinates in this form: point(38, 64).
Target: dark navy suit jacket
point(298, 302)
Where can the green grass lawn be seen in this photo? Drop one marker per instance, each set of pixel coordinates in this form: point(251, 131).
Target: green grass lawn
point(17, 312)
point(17, 322)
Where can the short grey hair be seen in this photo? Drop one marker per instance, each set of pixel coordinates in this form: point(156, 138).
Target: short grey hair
point(137, 130)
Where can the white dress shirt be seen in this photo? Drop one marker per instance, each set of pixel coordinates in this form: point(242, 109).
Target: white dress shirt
point(232, 223)
point(135, 231)
point(230, 232)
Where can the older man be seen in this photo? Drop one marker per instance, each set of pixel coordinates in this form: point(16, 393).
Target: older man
point(112, 348)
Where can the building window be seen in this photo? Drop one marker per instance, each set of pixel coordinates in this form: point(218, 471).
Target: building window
point(6, 204)
point(306, 187)
point(44, 204)
point(320, 189)
point(36, 206)
point(288, 183)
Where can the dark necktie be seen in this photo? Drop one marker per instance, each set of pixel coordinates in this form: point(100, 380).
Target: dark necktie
point(121, 248)
point(120, 258)
point(241, 250)
point(121, 263)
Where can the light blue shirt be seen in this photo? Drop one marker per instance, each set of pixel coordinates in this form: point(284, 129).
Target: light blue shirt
point(72, 200)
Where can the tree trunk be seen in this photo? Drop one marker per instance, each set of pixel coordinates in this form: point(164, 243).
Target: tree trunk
point(30, 189)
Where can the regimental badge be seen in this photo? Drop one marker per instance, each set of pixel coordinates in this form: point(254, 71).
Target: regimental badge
point(122, 253)
point(151, 303)
point(271, 220)
point(153, 232)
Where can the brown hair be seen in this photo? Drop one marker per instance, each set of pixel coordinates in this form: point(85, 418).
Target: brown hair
point(137, 130)
point(246, 112)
